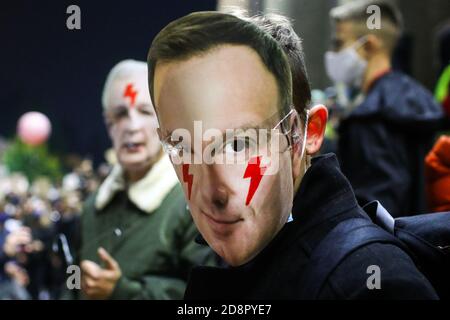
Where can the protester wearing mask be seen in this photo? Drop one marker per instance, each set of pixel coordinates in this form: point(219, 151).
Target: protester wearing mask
point(231, 78)
point(389, 125)
point(346, 66)
point(137, 236)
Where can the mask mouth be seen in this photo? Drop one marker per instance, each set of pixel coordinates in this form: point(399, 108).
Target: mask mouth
point(133, 146)
point(221, 221)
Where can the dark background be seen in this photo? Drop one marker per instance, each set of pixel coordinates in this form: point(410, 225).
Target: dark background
point(60, 72)
point(46, 67)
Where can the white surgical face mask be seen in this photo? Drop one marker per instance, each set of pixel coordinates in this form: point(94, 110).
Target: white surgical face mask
point(346, 66)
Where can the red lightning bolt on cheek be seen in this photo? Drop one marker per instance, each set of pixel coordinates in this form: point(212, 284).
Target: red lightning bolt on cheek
point(188, 178)
point(255, 172)
point(131, 93)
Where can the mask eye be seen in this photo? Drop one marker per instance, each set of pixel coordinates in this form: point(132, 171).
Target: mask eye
point(237, 144)
point(146, 110)
point(117, 113)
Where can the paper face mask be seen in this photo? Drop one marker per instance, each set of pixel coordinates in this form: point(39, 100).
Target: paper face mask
point(237, 206)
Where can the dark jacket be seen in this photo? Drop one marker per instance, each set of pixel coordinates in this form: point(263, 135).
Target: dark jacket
point(383, 143)
point(3, 257)
point(324, 199)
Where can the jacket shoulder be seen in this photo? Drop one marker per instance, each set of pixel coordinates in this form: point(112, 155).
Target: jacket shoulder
point(175, 203)
point(401, 99)
point(88, 208)
point(90, 201)
point(378, 271)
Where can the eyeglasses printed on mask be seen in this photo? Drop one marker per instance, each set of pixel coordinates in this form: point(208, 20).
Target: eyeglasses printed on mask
point(235, 146)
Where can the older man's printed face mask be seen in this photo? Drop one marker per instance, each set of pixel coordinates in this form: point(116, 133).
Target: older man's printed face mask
point(230, 145)
point(132, 122)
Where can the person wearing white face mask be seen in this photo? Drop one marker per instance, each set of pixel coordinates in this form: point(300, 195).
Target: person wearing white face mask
point(389, 125)
point(347, 66)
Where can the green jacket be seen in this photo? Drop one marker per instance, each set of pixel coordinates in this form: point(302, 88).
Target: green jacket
point(154, 251)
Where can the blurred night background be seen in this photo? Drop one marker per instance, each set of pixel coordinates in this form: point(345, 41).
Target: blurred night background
point(46, 67)
point(61, 73)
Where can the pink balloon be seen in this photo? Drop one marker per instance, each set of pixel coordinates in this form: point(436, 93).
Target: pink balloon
point(33, 128)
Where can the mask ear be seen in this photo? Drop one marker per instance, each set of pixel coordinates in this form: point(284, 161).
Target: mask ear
point(318, 117)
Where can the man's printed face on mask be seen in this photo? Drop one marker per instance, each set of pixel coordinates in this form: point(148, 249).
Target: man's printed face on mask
point(132, 122)
point(237, 207)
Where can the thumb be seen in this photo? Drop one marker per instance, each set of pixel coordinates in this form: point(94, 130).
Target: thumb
point(109, 261)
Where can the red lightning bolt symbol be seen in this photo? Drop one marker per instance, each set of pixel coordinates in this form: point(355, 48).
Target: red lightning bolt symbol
point(255, 172)
point(187, 178)
point(130, 93)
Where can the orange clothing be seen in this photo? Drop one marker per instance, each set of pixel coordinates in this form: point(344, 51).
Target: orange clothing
point(437, 170)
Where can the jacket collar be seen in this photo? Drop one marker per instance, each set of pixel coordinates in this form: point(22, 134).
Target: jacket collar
point(147, 194)
point(323, 193)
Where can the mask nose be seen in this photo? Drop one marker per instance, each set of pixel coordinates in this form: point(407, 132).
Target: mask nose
point(214, 190)
point(135, 122)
